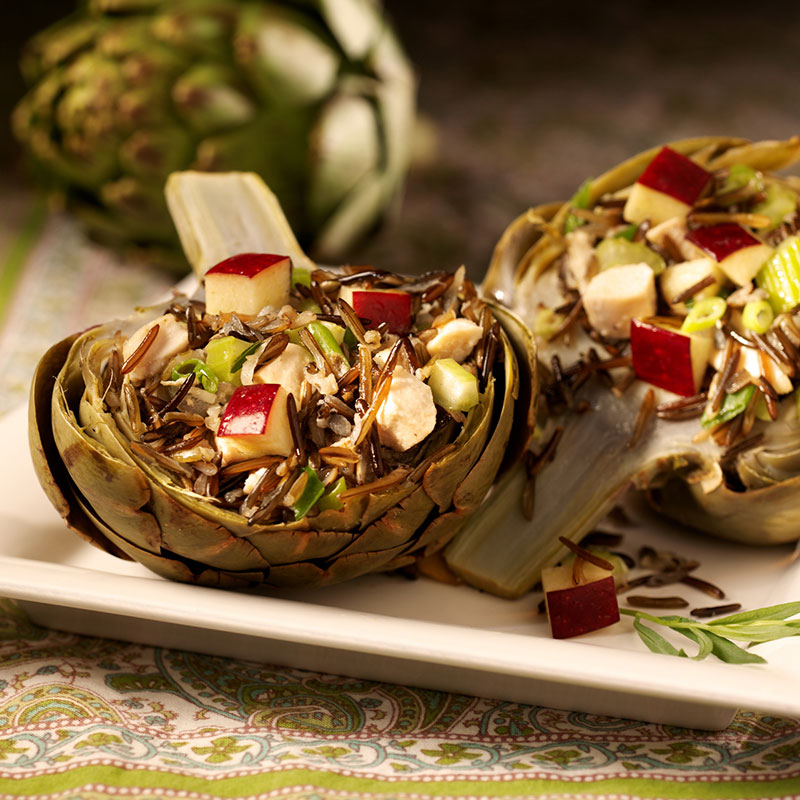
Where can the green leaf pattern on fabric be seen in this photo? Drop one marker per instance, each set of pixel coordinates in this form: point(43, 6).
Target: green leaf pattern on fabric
point(77, 712)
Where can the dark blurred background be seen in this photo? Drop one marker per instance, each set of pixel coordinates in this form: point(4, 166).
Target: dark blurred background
point(528, 98)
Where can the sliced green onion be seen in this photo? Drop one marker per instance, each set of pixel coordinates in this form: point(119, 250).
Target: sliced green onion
point(580, 199)
point(330, 500)
point(780, 276)
point(207, 377)
point(311, 493)
point(757, 316)
point(739, 176)
point(326, 340)
point(627, 233)
point(242, 357)
point(734, 404)
point(704, 314)
point(221, 354)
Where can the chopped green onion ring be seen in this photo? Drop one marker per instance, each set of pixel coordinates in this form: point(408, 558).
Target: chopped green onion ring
point(207, 376)
point(704, 314)
point(579, 200)
point(311, 493)
point(242, 357)
point(757, 316)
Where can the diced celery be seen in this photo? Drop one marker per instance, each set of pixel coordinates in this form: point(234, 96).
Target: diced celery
point(780, 276)
point(221, 355)
point(757, 316)
point(734, 404)
point(454, 387)
point(301, 276)
point(579, 200)
point(780, 203)
point(330, 500)
point(627, 232)
point(617, 252)
point(311, 493)
point(704, 314)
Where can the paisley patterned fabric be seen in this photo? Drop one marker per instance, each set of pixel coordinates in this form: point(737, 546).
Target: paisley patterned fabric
point(90, 718)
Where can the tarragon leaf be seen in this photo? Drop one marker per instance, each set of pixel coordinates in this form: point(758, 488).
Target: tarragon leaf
point(655, 642)
point(781, 611)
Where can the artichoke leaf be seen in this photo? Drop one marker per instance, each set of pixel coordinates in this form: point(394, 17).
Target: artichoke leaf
point(232, 212)
point(50, 470)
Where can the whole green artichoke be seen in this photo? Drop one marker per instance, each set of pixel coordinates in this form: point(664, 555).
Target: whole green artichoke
point(316, 96)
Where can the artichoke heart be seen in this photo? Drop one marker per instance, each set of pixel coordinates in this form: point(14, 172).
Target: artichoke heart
point(301, 445)
point(682, 382)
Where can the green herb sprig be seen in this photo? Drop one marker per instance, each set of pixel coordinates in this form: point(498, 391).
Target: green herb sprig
point(714, 637)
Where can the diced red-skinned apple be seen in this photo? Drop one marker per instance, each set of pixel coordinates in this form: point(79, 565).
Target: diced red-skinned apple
point(373, 306)
point(677, 278)
point(617, 295)
point(172, 338)
point(739, 254)
point(670, 358)
point(669, 187)
point(255, 423)
point(246, 283)
point(576, 608)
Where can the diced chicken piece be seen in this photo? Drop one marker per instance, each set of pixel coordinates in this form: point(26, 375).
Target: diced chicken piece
point(617, 295)
point(670, 236)
point(408, 414)
point(288, 369)
point(756, 363)
point(455, 339)
point(580, 262)
point(677, 278)
point(171, 339)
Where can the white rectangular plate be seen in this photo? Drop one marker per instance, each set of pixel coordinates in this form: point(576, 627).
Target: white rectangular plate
point(418, 633)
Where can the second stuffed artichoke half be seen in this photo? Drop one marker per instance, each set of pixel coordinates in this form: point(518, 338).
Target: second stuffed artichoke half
point(294, 425)
point(664, 298)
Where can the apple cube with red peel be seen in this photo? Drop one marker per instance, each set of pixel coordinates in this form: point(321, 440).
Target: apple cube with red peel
point(374, 306)
point(576, 608)
point(669, 358)
point(740, 255)
point(255, 423)
point(246, 283)
point(669, 187)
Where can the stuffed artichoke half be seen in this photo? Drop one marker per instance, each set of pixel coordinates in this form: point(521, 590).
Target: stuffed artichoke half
point(664, 298)
point(293, 425)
